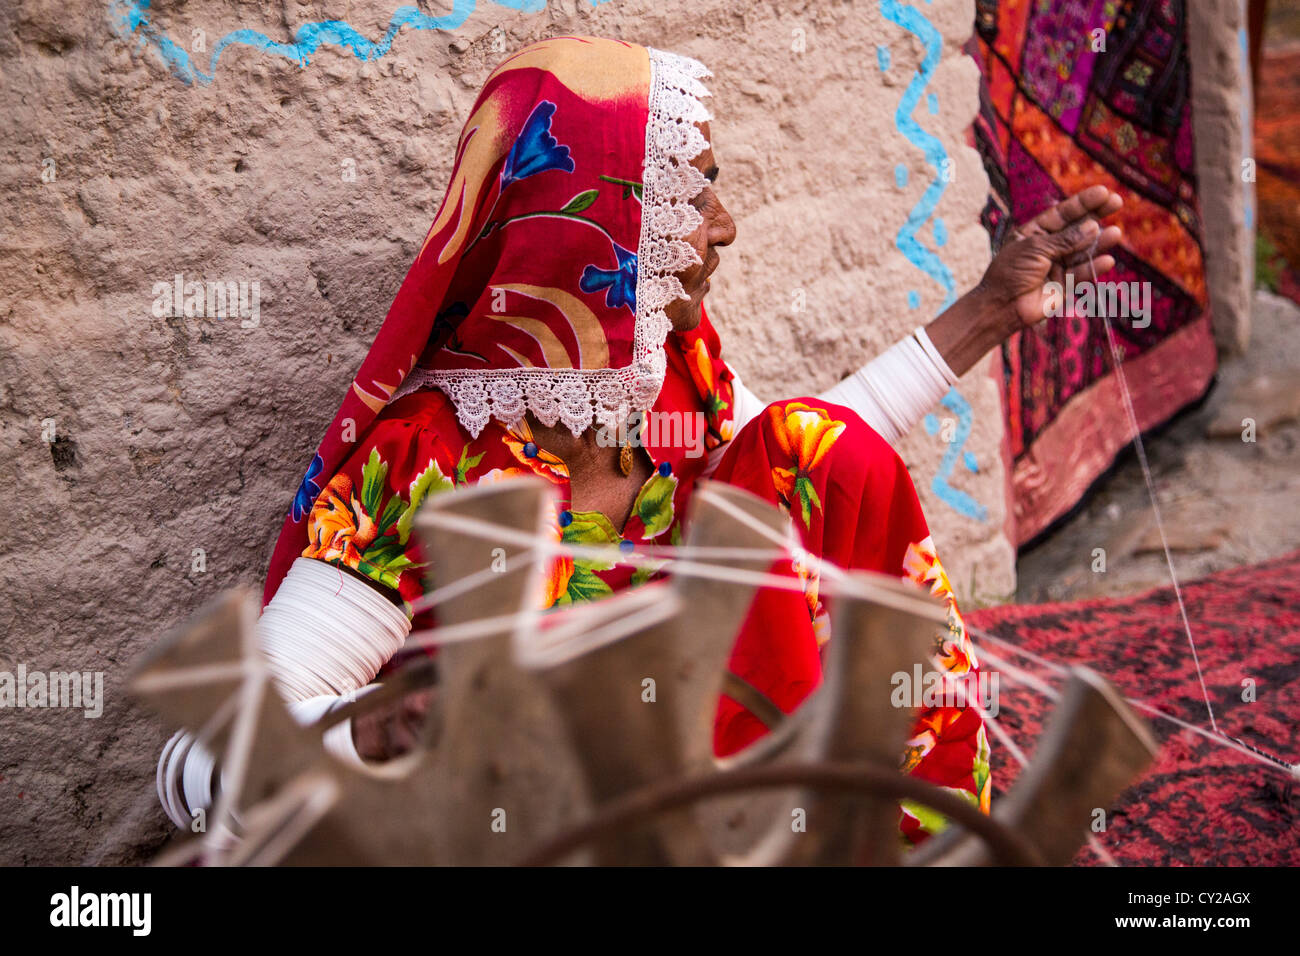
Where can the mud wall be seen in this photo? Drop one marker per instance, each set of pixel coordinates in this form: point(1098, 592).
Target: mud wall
point(149, 459)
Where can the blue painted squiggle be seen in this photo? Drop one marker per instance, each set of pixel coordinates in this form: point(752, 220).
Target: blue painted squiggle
point(910, 19)
point(955, 498)
point(931, 146)
point(130, 18)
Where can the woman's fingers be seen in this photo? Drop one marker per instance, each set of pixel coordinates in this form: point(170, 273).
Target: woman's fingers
point(393, 729)
point(1096, 201)
point(415, 705)
point(1072, 240)
point(1068, 210)
point(1108, 239)
point(1081, 259)
point(1079, 263)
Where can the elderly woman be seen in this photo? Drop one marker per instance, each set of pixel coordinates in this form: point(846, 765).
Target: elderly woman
point(558, 296)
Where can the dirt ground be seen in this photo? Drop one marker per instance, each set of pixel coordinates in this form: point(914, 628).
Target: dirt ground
point(1225, 501)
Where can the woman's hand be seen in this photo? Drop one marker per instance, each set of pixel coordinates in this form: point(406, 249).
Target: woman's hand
point(392, 729)
point(1049, 246)
point(1010, 296)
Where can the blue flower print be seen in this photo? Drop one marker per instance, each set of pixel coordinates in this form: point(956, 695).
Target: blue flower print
point(536, 150)
point(620, 282)
point(309, 490)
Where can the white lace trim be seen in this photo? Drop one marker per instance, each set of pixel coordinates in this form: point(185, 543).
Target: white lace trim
point(606, 396)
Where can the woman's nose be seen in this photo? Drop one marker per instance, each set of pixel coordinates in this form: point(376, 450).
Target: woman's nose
point(722, 231)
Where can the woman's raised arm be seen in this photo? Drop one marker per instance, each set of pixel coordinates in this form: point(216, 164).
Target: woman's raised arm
point(894, 391)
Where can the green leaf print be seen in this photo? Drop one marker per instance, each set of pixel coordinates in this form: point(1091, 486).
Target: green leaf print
point(807, 498)
point(391, 575)
point(931, 821)
point(392, 511)
point(980, 770)
point(590, 527)
point(465, 464)
point(374, 474)
point(646, 571)
point(399, 564)
point(581, 202)
point(812, 493)
point(431, 481)
point(630, 187)
point(584, 586)
point(384, 550)
point(654, 505)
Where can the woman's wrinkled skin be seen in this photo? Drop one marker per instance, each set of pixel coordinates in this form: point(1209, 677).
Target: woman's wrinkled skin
point(1007, 299)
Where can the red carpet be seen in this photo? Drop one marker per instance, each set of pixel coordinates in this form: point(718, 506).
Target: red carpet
point(1201, 803)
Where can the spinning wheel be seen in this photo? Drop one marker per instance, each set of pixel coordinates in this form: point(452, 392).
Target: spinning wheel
point(542, 744)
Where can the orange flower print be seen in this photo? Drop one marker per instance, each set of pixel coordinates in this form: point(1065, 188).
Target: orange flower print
point(339, 528)
point(921, 565)
point(811, 578)
point(500, 474)
point(558, 573)
point(558, 576)
point(806, 435)
point(542, 462)
point(700, 364)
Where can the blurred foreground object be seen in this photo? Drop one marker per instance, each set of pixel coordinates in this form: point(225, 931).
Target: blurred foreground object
point(585, 735)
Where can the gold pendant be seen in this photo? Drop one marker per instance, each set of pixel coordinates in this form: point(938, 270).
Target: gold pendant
point(625, 460)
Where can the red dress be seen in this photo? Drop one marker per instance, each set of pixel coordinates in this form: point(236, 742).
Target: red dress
point(845, 489)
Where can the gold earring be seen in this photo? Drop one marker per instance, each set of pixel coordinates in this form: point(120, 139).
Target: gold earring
point(625, 455)
point(625, 459)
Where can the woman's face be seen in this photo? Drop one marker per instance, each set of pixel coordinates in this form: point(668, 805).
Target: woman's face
point(717, 229)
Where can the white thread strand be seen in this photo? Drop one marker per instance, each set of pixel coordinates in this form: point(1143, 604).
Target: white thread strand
point(1218, 737)
point(464, 585)
point(1140, 447)
point(687, 567)
point(1022, 676)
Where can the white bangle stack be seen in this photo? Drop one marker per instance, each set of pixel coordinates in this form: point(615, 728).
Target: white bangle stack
point(896, 388)
point(338, 739)
point(325, 632)
point(928, 347)
point(325, 636)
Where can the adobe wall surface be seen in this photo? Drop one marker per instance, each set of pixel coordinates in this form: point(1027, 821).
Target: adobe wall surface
point(149, 460)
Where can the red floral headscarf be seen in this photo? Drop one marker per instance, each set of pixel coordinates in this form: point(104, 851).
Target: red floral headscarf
point(542, 283)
